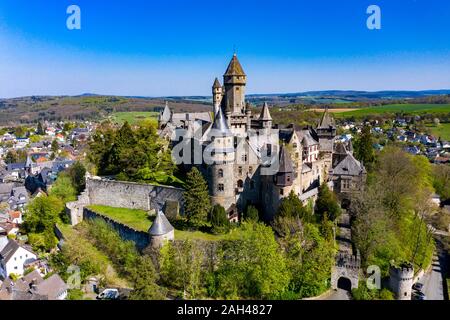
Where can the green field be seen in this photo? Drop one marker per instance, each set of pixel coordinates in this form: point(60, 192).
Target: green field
point(396, 108)
point(135, 117)
point(139, 220)
point(442, 130)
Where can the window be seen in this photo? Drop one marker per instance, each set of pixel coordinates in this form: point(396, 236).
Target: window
point(240, 184)
point(220, 187)
point(220, 173)
point(240, 171)
point(281, 192)
point(244, 157)
point(250, 170)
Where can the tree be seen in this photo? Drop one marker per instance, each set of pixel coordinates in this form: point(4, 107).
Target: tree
point(181, 267)
point(55, 146)
point(144, 281)
point(326, 204)
point(363, 148)
point(40, 129)
point(77, 173)
point(196, 197)
point(291, 206)
point(218, 217)
point(253, 266)
point(251, 214)
point(63, 188)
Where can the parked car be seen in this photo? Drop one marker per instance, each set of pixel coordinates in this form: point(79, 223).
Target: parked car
point(418, 286)
point(109, 294)
point(417, 295)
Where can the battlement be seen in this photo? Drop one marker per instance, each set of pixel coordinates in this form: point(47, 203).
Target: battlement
point(346, 260)
point(403, 272)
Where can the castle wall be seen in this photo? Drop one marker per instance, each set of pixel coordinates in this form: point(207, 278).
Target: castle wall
point(401, 281)
point(131, 195)
point(140, 238)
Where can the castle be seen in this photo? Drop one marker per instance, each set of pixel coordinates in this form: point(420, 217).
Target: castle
point(253, 161)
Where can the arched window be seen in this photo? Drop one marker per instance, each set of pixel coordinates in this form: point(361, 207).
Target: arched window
point(240, 184)
point(220, 187)
point(220, 173)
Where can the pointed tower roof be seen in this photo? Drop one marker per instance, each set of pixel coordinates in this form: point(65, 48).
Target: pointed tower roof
point(350, 146)
point(265, 114)
point(29, 162)
point(220, 123)
point(217, 84)
point(234, 68)
point(327, 120)
point(166, 114)
point(160, 226)
point(285, 161)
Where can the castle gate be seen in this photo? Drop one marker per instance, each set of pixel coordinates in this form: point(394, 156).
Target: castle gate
point(345, 272)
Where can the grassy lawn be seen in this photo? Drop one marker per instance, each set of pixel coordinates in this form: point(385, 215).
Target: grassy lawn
point(442, 130)
point(394, 108)
point(135, 117)
point(139, 220)
point(135, 218)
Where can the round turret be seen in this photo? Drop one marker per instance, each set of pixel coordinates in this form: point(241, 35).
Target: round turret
point(161, 231)
point(401, 280)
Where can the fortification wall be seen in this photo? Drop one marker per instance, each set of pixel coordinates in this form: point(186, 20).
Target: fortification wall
point(140, 238)
point(131, 195)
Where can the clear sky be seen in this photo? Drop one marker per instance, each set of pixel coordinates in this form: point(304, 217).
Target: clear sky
point(177, 47)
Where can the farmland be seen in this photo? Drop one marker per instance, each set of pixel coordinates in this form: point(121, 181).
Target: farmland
point(442, 130)
point(416, 109)
point(134, 117)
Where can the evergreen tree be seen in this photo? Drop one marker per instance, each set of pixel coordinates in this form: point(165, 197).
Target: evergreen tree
point(326, 204)
point(196, 197)
point(363, 148)
point(251, 214)
point(218, 217)
point(40, 129)
point(55, 146)
point(144, 281)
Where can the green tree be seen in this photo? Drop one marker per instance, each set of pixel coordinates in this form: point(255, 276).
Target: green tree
point(218, 217)
point(363, 147)
point(63, 188)
point(181, 267)
point(291, 206)
point(144, 281)
point(196, 197)
point(40, 129)
point(77, 173)
point(55, 146)
point(251, 214)
point(326, 204)
point(253, 266)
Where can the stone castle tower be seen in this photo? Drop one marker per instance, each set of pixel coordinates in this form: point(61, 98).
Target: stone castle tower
point(401, 280)
point(221, 170)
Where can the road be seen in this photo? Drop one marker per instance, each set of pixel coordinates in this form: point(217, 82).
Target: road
point(339, 294)
point(433, 280)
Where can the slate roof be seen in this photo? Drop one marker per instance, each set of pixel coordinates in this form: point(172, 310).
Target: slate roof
point(166, 114)
point(220, 124)
point(234, 68)
point(265, 114)
point(217, 84)
point(285, 161)
point(306, 138)
point(9, 250)
point(160, 226)
point(51, 287)
point(327, 121)
point(349, 166)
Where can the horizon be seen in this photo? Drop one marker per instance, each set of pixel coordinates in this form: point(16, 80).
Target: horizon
point(174, 49)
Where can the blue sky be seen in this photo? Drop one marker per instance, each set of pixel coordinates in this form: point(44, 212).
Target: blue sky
point(177, 47)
